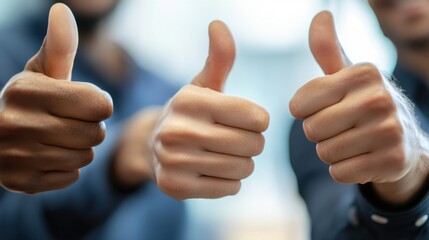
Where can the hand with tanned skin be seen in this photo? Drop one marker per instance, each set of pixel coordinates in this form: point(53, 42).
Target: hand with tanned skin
point(49, 124)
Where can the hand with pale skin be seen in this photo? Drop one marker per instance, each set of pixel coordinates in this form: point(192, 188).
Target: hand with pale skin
point(49, 124)
point(364, 128)
point(202, 142)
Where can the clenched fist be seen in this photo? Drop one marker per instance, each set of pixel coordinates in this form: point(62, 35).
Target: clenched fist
point(204, 140)
point(48, 124)
point(364, 128)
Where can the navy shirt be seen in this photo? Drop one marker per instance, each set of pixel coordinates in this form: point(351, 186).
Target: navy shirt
point(339, 211)
point(91, 208)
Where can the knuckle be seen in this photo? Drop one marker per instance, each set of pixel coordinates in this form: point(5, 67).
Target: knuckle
point(324, 152)
point(182, 99)
point(102, 106)
point(171, 186)
point(67, 179)
point(309, 130)
point(105, 107)
point(169, 159)
point(337, 175)
point(20, 183)
point(380, 101)
point(258, 144)
point(295, 107)
point(96, 132)
point(176, 131)
point(73, 177)
point(86, 158)
point(368, 71)
point(170, 133)
point(391, 129)
point(12, 123)
point(234, 188)
point(17, 155)
point(262, 119)
point(7, 125)
point(15, 89)
point(396, 158)
point(248, 168)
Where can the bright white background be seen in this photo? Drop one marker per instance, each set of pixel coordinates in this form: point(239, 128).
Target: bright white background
point(170, 38)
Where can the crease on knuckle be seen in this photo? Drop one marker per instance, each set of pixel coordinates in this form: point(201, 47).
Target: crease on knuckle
point(379, 102)
point(176, 131)
point(11, 123)
point(171, 159)
point(391, 130)
point(17, 91)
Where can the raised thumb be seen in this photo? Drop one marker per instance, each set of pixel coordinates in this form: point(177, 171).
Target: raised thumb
point(55, 58)
point(325, 46)
point(220, 60)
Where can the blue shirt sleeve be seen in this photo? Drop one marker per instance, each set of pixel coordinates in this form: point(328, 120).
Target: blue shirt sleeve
point(339, 211)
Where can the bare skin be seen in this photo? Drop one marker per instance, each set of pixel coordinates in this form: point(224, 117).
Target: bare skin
point(48, 127)
point(203, 141)
point(362, 126)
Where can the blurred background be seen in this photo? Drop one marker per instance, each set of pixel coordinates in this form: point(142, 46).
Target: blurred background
point(170, 38)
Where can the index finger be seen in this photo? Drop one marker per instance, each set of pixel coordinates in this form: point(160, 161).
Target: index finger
point(240, 113)
point(75, 100)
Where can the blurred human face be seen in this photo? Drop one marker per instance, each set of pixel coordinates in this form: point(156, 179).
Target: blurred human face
point(89, 13)
point(90, 7)
point(405, 22)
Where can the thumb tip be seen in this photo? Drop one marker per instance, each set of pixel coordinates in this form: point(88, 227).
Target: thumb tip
point(323, 22)
point(55, 58)
point(221, 57)
point(324, 43)
point(222, 44)
point(63, 28)
point(221, 38)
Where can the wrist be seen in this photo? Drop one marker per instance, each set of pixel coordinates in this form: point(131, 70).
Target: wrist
point(408, 190)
